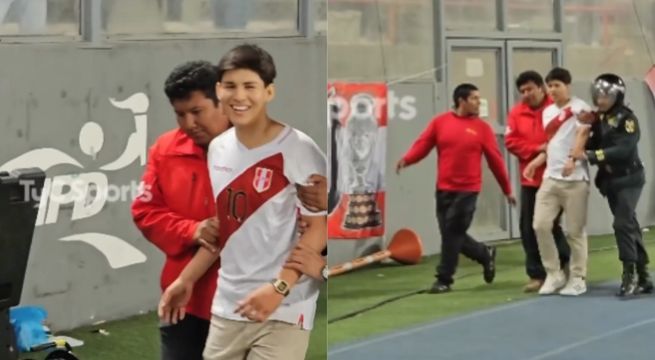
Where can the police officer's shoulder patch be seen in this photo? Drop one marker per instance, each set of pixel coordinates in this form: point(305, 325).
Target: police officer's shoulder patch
point(630, 126)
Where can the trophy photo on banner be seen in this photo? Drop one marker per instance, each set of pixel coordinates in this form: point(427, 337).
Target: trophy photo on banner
point(358, 132)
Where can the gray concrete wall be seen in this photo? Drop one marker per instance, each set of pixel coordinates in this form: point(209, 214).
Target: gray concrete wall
point(410, 196)
point(88, 261)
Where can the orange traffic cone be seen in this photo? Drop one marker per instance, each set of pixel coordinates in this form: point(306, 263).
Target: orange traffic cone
point(405, 247)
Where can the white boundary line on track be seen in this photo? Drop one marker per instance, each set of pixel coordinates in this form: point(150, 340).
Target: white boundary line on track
point(592, 339)
point(430, 326)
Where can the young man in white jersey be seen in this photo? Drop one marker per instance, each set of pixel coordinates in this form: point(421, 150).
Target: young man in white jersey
point(565, 186)
point(261, 309)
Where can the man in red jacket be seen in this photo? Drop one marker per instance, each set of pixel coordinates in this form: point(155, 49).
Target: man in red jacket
point(461, 138)
point(525, 138)
point(177, 211)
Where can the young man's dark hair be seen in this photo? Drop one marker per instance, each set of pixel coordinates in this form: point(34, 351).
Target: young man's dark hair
point(463, 91)
point(529, 76)
point(251, 57)
point(560, 74)
point(189, 77)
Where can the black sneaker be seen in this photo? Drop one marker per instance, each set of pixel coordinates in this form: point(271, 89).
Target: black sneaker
point(439, 288)
point(645, 287)
point(628, 282)
point(628, 288)
point(490, 267)
point(645, 284)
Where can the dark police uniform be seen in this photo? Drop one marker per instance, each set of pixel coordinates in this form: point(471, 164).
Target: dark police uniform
point(612, 146)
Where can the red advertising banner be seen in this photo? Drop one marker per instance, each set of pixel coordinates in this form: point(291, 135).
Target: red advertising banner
point(650, 80)
point(358, 125)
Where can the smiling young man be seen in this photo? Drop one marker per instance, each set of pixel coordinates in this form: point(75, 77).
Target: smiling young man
point(177, 213)
point(261, 309)
point(461, 139)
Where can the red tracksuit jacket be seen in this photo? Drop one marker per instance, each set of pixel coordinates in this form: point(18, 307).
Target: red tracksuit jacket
point(460, 142)
point(524, 135)
point(178, 196)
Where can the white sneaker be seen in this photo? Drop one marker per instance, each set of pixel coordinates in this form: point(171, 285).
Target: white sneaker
point(576, 286)
point(554, 281)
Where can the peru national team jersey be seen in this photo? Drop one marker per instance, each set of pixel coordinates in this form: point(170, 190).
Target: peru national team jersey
point(257, 210)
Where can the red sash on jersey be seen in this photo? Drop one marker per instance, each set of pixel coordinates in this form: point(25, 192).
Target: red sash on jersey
point(246, 193)
point(554, 125)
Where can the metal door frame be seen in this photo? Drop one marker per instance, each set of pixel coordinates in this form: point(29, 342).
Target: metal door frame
point(482, 44)
point(512, 162)
point(499, 128)
point(505, 89)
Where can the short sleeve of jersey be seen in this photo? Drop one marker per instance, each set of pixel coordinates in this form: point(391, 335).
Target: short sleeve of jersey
point(577, 107)
point(303, 160)
point(549, 113)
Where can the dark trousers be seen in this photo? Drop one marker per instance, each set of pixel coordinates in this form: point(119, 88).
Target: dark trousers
point(455, 213)
point(623, 202)
point(185, 340)
point(533, 266)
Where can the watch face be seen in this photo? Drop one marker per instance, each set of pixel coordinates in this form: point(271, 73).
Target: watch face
point(282, 286)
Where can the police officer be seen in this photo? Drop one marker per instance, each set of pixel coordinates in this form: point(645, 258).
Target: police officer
point(612, 146)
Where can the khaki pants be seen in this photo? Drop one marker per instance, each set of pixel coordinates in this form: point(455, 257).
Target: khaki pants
point(241, 340)
point(572, 196)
